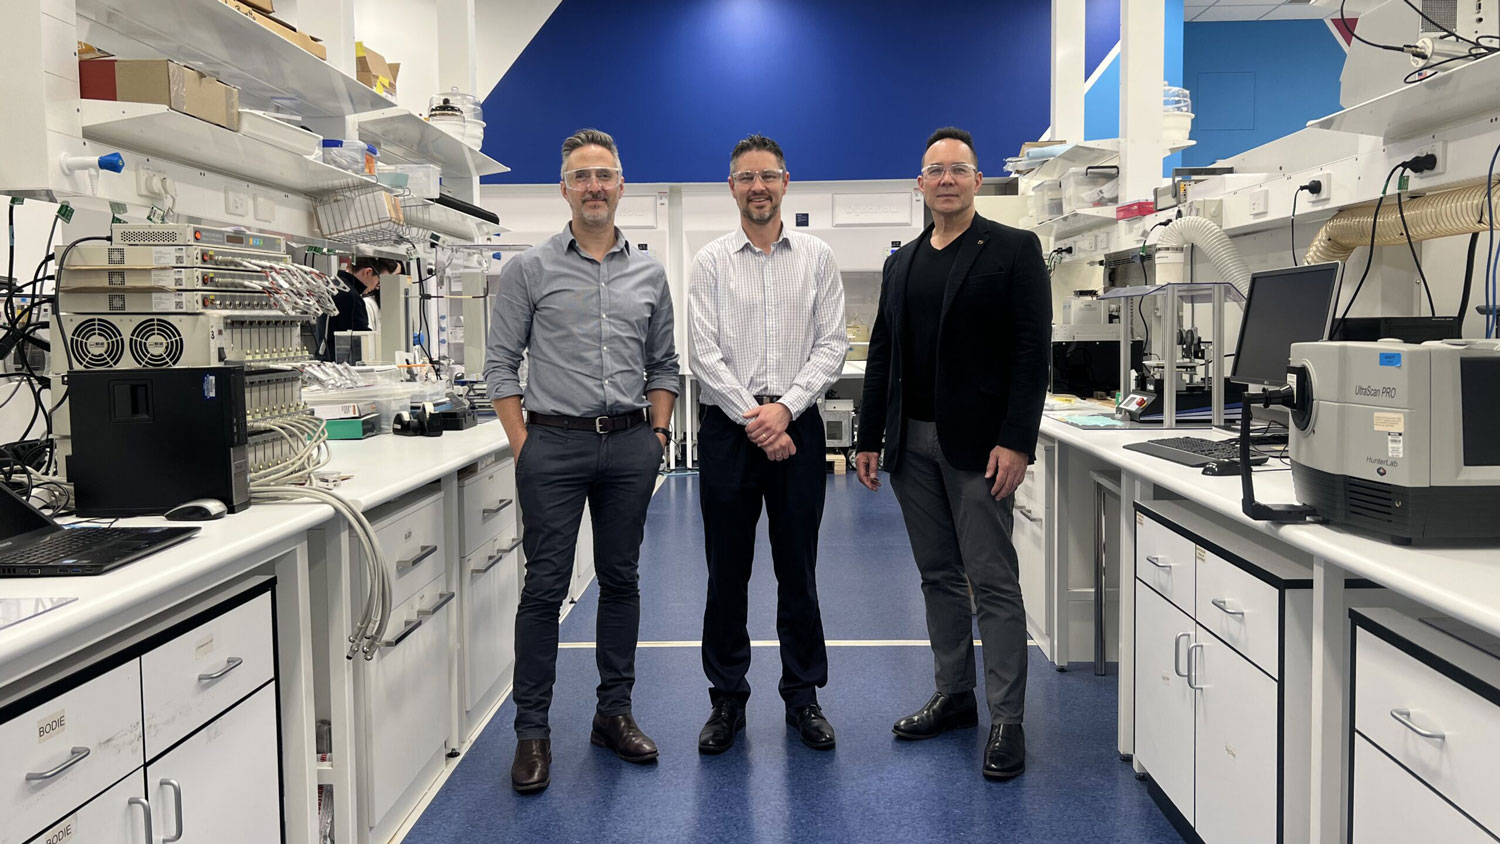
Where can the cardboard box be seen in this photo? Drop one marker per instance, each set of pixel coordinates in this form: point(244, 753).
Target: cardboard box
point(278, 26)
point(162, 81)
point(88, 51)
point(373, 71)
point(266, 6)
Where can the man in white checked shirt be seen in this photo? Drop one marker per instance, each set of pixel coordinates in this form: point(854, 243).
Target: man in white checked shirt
point(767, 308)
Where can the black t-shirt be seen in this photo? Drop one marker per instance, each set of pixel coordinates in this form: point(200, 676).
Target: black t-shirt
point(925, 284)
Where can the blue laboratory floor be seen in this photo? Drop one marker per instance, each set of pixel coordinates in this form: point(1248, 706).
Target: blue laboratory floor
point(769, 788)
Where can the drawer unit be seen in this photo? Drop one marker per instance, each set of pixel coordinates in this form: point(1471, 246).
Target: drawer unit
point(1164, 741)
point(1433, 711)
point(203, 672)
point(407, 708)
point(488, 502)
point(411, 538)
point(1240, 609)
point(1164, 560)
point(60, 753)
point(110, 818)
point(1236, 747)
point(494, 593)
point(1393, 807)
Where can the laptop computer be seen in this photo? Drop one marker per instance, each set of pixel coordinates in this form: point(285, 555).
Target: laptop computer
point(33, 545)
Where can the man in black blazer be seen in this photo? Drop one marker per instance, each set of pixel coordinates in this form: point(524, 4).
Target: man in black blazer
point(954, 386)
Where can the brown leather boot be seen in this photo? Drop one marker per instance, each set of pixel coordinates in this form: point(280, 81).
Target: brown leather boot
point(620, 734)
point(532, 770)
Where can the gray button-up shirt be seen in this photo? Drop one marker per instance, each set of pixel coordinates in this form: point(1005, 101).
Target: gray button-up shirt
point(598, 334)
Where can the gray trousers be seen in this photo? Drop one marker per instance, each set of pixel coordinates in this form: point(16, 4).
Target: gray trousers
point(556, 472)
point(957, 528)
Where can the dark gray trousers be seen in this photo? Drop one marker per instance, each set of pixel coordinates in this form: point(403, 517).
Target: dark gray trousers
point(957, 528)
point(556, 472)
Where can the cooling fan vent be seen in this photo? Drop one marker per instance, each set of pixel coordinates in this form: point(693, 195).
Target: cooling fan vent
point(156, 343)
point(97, 344)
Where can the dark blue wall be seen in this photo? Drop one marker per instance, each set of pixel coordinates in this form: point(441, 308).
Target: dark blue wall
point(850, 88)
point(1255, 81)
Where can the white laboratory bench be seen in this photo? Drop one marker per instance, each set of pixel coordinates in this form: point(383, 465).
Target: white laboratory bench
point(1339, 567)
point(258, 608)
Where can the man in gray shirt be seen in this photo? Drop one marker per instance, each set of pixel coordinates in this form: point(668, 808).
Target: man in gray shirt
point(595, 317)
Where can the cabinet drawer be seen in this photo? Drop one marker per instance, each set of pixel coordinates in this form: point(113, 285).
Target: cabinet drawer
point(412, 541)
point(109, 818)
point(1393, 807)
point(1164, 560)
point(407, 702)
point(488, 500)
point(1241, 609)
point(203, 672)
point(1461, 760)
point(1236, 746)
point(494, 593)
point(1163, 700)
point(59, 754)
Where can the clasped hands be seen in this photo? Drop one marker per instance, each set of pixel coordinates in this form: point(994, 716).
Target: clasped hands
point(767, 429)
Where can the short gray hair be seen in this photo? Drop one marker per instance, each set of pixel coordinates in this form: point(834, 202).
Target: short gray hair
point(588, 137)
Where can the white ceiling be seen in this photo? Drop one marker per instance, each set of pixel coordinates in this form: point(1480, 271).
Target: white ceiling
point(1254, 10)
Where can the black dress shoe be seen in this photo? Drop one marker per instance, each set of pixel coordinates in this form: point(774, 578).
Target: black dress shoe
point(726, 719)
point(1005, 752)
point(620, 734)
point(532, 769)
point(942, 713)
point(815, 730)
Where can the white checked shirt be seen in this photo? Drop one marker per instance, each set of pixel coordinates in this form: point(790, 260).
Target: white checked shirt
point(766, 325)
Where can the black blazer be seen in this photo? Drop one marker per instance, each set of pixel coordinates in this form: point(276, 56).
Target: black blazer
point(993, 345)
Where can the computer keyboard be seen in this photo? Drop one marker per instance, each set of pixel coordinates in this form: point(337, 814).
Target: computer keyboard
point(63, 544)
point(1196, 451)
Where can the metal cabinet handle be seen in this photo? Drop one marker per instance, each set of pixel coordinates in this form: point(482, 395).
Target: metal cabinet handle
point(1176, 653)
point(1223, 605)
point(1155, 560)
point(231, 664)
point(1403, 717)
point(514, 544)
point(494, 559)
point(404, 566)
point(1192, 674)
point(145, 813)
point(442, 601)
point(411, 627)
point(176, 810)
point(1027, 514)
point(79, 754)
point(495, 510)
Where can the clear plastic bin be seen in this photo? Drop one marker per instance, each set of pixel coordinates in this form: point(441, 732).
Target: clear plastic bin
point(352, 156)
point(1047, 200)
point(1090, 187)
point(422, 180)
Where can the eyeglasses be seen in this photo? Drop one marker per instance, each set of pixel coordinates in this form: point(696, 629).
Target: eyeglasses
point(960, 170)
point(606, 177)
point(748, 177)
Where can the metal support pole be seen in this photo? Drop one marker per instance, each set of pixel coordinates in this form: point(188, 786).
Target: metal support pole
point(1101, 548)
point(1217, 387)
point(1169, 371)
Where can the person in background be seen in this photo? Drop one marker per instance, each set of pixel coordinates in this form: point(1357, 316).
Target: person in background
point(361, 279)
point(768, 339)
point(594, 317)
point(955, 382)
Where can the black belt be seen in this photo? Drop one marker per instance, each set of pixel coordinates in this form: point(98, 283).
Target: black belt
point(592, 424)
point(767, 399)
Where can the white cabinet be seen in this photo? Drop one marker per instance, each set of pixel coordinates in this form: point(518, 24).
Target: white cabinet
point(1222, 677)
point(1031, 535)
point(118, 816)
point(489, 586)
point(487, 499)
point(222, 785)
point(1425, 709)
point(410, 534)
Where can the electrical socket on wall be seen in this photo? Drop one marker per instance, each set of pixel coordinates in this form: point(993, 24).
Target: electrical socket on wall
point(1439, 150)
point(1259, 200)
point(150, 181)
point(1325, 181)
point(236, 202)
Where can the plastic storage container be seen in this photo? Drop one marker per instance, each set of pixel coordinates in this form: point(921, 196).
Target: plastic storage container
point(354, 156)
point(1090, 187)
point(448, 117)
point(1046, 200)
point(422, 180)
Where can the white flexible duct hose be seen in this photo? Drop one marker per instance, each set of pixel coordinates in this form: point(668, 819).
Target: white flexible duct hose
point(1452, 212)
point(1206, 236)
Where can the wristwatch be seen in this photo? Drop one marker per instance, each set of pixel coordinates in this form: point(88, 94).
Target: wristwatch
point(666, 432)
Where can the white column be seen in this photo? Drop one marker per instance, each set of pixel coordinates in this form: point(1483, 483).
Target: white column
point(1142, 69)
point(1330, 702)
point(332, 21)
point(1067, 70)
point(457, 48)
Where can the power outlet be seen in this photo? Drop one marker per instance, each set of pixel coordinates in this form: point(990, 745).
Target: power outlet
point(265, 208)
point(1438, 149)
point(236, 202)
point(150, 181)
point(1259, 201)
point(1325, 179)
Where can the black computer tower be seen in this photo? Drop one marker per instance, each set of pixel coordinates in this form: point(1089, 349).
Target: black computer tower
point(147, 440)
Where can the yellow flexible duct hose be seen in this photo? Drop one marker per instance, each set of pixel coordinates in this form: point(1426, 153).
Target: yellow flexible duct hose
point(1452, 212)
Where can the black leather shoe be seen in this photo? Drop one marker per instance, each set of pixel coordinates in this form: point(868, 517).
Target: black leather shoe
point(816, 732)
point(942, 713)
point(620, 734)
point(1005, 752)
point(532, 769)
point(726, 719)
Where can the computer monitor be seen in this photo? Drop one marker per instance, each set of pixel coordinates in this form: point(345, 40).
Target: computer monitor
point(1294, 305)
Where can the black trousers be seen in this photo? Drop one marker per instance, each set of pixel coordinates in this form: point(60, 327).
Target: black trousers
point(735, 477)
point(556, 472)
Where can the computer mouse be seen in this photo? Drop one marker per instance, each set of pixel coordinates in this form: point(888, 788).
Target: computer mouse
point(197, 510)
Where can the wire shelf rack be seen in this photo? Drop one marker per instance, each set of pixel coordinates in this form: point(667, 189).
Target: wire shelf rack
point(371, 216)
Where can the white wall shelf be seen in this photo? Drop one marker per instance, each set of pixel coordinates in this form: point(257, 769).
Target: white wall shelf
point(1447, 99)
point(1078, 155)
point(398, 133)
point(158, 131)
point(1082, 220)
point(269, 70)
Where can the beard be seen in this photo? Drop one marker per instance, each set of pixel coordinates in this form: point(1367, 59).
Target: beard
point(760, 218)
point(592, 215)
